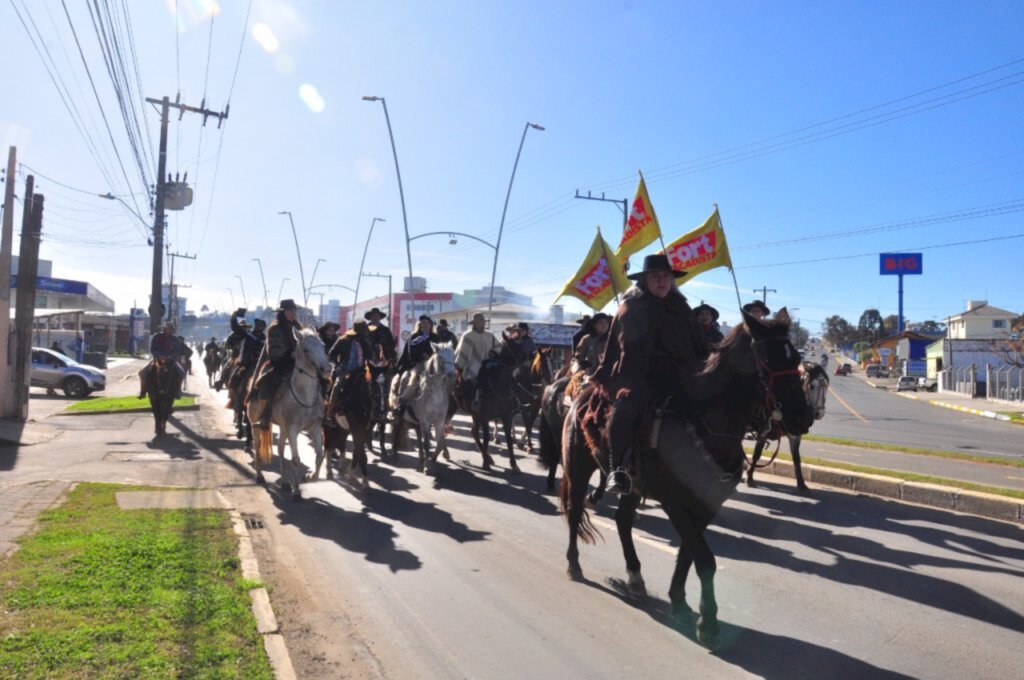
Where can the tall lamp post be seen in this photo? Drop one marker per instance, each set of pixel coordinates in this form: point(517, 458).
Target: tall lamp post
point(245, 300)
point(504, 210)
point(315, 267)
point(302, 274)
point(281, 287)
point(263, 281)
point(355, 300)
point(390, 301)
point(401, 192)
point(232, 294)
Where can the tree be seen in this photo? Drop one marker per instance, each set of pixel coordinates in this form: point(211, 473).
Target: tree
point(892, 324)
point(837, 331)
point(930, 327)
point(871, 325)
point(798, 335)
point(1011, 351)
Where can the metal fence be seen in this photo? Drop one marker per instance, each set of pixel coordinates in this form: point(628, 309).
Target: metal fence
point(1006, 383)
point(959, 379)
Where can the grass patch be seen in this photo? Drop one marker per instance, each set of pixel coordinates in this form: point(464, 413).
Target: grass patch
point(115, 404)
point(917, 451)
point(101, 592)
point(1015, 416)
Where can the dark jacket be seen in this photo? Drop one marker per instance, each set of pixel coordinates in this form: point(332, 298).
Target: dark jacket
point(712, 333)
point(281, 344)
point(418, 349)
point(445, 335)
point(341, 349)
point(654, 345)
point(251, 347)
point(212, 347)
point(380, 336)
point(165, 346)
point(589, 350)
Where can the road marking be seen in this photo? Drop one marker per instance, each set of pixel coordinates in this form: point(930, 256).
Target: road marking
point(609, 526)
point(848, 407)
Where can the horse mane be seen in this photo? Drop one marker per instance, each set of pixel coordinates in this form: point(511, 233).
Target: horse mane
point(728, 344)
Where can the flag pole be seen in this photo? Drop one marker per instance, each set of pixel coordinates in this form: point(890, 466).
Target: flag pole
point(661, 240)
point(732, 271)
point(608, 259)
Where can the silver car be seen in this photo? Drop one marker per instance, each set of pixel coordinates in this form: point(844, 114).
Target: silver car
point(55, 371)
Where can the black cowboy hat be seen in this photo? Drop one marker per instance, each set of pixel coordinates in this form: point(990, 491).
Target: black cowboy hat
point(600, 316)
point(259, 322)
point(327, 325)
point(657, 263)
point(701, 307)
point(375, 310)
point(424, 317)
point(523, 326)
point(750, 306)
point(583, 320)
point(286, 305)
point(442, 322)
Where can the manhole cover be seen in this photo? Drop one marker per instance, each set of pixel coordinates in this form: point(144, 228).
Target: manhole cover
point(253, 522)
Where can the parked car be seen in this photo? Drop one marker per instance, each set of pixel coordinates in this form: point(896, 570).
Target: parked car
point(928, 384)
point(907, 383)
point(53, 370)
point(875, 371)
point(842, 369)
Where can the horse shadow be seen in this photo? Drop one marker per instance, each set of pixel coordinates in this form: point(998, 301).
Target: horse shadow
point(502, 487)
point(858, 561)
point(760, 653)
point(356, 532)
point(419, 515)
point(175, 446)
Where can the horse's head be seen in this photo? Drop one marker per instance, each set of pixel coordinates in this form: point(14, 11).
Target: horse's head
point(311, 352)
point(816, 387)
point(443, 360)
point(778, 364)
point(540, 369)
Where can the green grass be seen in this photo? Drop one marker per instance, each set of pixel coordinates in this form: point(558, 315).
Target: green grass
point(1015, 416)
point(115, 404)
point(936, 453)
point(100, 592)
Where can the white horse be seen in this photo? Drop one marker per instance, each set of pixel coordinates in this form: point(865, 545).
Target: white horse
point(428, 397)
point(298, 407)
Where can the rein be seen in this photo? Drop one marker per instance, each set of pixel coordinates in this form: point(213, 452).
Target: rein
point(291, 382)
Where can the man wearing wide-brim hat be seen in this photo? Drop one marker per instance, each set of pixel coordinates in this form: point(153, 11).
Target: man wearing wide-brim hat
point(585, 329)
point(278, 355)
point(757, 309)
point(707, 317)
point(380, 336)
point(655, 346)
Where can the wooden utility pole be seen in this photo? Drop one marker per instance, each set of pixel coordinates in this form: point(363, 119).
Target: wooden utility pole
point(28, 269)
point(156, 306)
point(7, 401)
point(764, 290)
point(172, 291)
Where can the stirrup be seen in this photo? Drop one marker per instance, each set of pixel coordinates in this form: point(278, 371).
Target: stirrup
point(619, 482)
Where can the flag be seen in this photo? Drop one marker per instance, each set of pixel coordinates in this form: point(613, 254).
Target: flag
point(702, 249)
point(641, 226)
point(599, 279)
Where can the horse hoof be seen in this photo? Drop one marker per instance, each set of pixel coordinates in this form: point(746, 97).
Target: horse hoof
point(260, 480)
point(707, 633)
point(750, 483)
point(803, 490)
point(514, 467)
point(297, 497)
point(248, 448)
point(575, 573)
point(285, 486)
point(636, 586)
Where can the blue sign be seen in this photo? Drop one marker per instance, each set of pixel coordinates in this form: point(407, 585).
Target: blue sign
point(917, 367)
point(47, 285)
point(900, 263)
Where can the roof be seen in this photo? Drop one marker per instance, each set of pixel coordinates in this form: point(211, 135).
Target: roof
point(42, 313)
point(910, 335)
point(985, 310)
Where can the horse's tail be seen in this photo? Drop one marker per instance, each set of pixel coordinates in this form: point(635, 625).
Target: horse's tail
point(571, 450)
point(549, 454)
point(264, 453)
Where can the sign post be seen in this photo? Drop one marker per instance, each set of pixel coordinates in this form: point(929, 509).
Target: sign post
point(898, 264)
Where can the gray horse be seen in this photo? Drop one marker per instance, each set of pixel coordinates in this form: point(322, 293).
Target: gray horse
point(427, 400)
point(298, 407)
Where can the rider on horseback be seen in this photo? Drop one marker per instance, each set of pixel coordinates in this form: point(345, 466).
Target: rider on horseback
point(419, 348)
point(475, 345)
point(591, 346)
point(380, 335)
point(444, 334)
point(655, 344)
point(350, 354)
point(707, 316)
point(164, 347)
point(280, 357)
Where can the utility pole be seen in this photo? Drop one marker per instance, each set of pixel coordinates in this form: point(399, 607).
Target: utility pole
point(172, 293)
point(624, 207)
point(391, 309)
point(28, 269)
point(764, 290)
point(7, 400)
point(156, 309)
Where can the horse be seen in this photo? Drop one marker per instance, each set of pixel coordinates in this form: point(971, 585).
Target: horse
point(816, 382)
point(238, 388)
point(353, 416)
point(426, 404)
point(695, 458)
point(554, 405)
point(162, 384)
point(298, 406)
point(211, 359)
point(494, 400)
point(530, 386)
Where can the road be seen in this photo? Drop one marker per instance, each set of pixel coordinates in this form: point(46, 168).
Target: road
point(856, 410)
point(462, 574)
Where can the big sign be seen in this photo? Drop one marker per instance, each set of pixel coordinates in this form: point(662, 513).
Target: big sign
point(900, 263)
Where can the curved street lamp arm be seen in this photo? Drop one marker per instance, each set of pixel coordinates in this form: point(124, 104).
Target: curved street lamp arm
point(456, 233)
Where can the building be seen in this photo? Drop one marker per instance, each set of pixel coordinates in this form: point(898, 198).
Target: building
point(973, 346)
point(980, 321)
point(53, 293)
point(904, 351)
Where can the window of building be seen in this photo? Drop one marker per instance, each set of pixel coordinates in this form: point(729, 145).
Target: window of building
point(999, 323)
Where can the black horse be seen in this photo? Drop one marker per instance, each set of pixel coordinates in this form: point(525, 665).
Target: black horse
point(690, 457)
point(530, 384)
point(495, 401)
point(353, 416)
point(162, 386)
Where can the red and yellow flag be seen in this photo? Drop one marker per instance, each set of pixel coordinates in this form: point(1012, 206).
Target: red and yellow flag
point(641, 226)
point(702, 249)
point(599, 279)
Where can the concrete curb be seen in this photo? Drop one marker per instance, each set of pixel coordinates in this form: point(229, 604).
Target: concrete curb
point(141, 409)
point(932, 495)
point(266, 621)
point(962, 409)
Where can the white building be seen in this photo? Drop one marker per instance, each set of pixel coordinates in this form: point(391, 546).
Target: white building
point(981, 321)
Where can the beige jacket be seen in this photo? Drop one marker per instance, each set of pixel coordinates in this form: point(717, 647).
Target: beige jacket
point(472, 350)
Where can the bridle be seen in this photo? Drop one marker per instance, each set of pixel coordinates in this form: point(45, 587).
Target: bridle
point(774, 428)
point(314, 376)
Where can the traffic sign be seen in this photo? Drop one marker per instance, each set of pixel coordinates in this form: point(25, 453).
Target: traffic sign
point(900, 263)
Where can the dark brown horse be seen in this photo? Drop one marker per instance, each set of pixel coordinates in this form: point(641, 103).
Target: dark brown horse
point(162, 385)
point(690, 458)
point(495, 401)
point(212, 360)
point(353, 416)
point(530, 384)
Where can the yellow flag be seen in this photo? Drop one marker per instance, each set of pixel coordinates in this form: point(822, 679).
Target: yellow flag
point(599, 279)
point(641, 226)
point(702, 249)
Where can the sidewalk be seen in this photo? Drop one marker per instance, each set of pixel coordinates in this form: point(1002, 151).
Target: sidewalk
point(978, 406)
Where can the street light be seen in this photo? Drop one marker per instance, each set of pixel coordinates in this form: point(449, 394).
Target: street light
point(401, 192)
point(245, 299)
point(302, 274)
point(315, 267)
point(281, 289)
point(232, 294)
point(111, 197)
point(266, 303)
point(355, 300)
point(504, 210)
point(390, 302)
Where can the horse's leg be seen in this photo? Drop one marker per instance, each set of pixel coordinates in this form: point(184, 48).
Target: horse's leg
point(794, 449)
point(282, 441)
point(529, 418)
point(359, 456)
point(624, 517)
point(247, 427)
point(320, 454)
point(294, 469)
point(507, 422)
point(691, 534)
point(484, 441)
point(316, 437)
point(423, 435)
point(577, 467)
point(756, 456)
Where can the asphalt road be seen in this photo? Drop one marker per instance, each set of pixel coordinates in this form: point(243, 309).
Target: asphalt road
point(462, 574)
point(856, 410)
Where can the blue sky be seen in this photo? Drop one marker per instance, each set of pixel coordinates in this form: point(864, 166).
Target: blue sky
point(619, 86)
